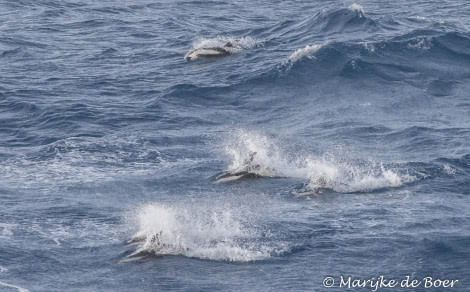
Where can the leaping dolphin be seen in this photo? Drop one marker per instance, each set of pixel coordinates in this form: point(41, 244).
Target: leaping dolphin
point(211, 52)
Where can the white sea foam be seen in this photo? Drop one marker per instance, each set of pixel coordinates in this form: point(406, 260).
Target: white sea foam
point(214, 233)
point(357, 8)
point(418, 17)
point(246, 146)
point(449, 169)
point(20, 289)
point(83, 160)
point(6, 229)
point(369, 47)
point(422, 44)
point(306, 52)
point(321, 172)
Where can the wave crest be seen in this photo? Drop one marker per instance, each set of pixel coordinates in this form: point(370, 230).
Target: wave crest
point(308, 52)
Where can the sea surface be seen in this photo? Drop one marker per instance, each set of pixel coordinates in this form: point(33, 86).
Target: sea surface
point(330, 151)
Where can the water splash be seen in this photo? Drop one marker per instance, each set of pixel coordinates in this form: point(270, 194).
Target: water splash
point(83, 160)
point(306, 52)
point(341, 174)
point(357, 8)
point(215, 233)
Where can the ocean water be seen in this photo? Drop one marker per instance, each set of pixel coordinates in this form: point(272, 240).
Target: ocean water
point(329, 152)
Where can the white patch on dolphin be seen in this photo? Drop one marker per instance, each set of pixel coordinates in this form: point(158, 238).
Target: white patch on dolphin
point(220, 46)
point(248, 170)
point(210, 52)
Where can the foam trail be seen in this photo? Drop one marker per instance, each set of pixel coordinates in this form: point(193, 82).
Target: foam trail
point(343, 177)
point(15, 287)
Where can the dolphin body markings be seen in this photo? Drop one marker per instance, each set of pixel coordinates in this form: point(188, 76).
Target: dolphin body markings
point(211, 52)
point(247, 171)
point(158, 248)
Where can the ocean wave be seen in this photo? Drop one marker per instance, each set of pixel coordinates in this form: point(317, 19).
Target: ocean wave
point(412, 58)
point(82, 160)
point(308, 51)
point(351, 19)
point(452, 166)
point(325, 23)
point(428, 139)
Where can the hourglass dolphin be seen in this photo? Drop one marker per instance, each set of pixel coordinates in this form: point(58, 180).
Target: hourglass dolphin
point(211, 52)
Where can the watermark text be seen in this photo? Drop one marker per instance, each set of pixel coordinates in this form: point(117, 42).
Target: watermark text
point(382, 282)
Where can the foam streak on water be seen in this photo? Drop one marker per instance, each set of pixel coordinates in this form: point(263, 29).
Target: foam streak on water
point(14, 287)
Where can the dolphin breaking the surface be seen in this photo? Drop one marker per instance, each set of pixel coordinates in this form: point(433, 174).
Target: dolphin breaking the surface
point(248, 170)
point(211, 52)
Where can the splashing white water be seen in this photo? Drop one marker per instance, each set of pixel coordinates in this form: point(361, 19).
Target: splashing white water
point(250, 149)
point(321, 172)
point(306, 52)
point(357, 8)
point(421, 44)
point(449, 169)
point(206, 233)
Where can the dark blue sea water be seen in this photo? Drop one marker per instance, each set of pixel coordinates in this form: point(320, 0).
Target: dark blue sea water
point(334, 142)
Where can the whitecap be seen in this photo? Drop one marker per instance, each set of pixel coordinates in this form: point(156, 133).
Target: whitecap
point(368, 47)
point(449, 169)
point(308, 52)
point(6, 229)
point(422, 44)
point(357, 8)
